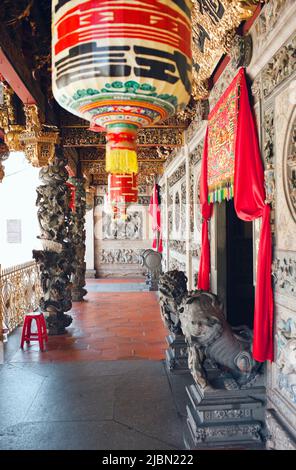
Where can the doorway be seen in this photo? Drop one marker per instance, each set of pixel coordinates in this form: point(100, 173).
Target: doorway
point(235, 265)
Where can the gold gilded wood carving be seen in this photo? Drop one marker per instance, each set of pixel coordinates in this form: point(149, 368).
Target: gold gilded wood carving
point(95, 172)
point(156, 136)
point(38, 139)
point(213, 25)
point(4, 154)
point(8, 122)
point(20, 293)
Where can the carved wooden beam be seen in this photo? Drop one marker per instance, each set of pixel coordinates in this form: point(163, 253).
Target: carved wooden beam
point(16, 73)
point(152, 136)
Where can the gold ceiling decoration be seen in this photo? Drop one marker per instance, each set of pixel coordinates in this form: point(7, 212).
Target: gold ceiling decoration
point(4, 154)
point(8, 120)
point(95, 171)
point(213, 25)
point(38, 139)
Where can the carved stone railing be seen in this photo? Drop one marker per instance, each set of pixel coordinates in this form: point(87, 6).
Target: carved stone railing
point(20, 292)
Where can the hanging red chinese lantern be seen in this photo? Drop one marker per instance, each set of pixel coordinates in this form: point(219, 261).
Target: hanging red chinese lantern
point(122, 191)
point(122, 65)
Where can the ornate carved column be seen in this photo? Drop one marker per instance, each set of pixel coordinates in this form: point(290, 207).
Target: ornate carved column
point(77, 237)
point(56, 258)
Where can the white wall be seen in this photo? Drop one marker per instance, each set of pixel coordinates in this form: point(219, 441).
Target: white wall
point(17, 201)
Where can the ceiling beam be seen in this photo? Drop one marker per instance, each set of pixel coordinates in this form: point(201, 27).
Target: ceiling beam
point(15, 72)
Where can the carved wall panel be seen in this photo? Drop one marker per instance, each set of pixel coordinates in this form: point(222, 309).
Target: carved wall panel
point(284, 118)
point(266, 22)
point(119, 256)
point(282, 65)
point(290, 167)
point(130, 229)
point(177, 175)
point(119, 243)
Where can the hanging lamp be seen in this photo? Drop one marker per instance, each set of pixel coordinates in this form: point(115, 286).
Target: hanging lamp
point(121, 65)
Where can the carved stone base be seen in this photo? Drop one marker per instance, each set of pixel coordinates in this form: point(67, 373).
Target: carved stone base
point(225, 419)
point(57, 324)
point(90, 274)
point(279, 437)
point(78, 294)
point(176, 354)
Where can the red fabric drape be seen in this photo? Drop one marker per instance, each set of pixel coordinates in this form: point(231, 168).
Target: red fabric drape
point(206, 212)
point(154, 211)
point(249, 197)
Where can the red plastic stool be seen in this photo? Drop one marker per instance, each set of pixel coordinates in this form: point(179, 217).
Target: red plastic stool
point(41, 334)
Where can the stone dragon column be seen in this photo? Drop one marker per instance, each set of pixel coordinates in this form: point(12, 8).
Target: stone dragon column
point(77, 239)
point(56, 259)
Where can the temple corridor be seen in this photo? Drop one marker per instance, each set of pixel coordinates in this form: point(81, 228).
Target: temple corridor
point(116, 321)
point(103, 385)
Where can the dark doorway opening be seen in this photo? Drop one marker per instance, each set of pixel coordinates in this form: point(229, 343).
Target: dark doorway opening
point(239, 269)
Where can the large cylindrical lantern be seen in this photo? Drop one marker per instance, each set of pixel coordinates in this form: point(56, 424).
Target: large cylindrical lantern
point(122, 65)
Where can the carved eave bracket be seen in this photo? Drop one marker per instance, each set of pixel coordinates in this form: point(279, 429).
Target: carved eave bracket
point(214, 25)
point(8, 122)
point(38, 139)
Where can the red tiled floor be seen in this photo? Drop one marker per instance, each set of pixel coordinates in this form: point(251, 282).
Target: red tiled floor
point(106, 326)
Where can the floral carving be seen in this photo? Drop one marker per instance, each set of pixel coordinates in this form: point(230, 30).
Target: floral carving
point(280, 67)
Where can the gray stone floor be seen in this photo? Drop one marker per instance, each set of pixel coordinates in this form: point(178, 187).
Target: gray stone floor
point(124, 287)
point(125, 405)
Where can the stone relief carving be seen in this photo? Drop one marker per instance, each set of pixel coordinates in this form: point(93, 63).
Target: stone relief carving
point(129, 229)
point(256, 88)
point(268, 124)
point(269, 172)
point(176, 265)
point(120, 256)
point(196, 154)
point(278, 438)
point(183, 210)
point(99, 200)
point(290, 171)
point(144, 200)
point(177, 211)
point(177, 175)
point(267, 20)
point(284, 273)
point(286, 357)
point(279, 67)
point(178, 245)
point(201, 114)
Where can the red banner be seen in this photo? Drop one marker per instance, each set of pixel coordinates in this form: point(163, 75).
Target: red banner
point(249, 201)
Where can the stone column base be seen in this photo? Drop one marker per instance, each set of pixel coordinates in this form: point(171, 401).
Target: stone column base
point(57, 324)
point(225, 419)
point(90, 274)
